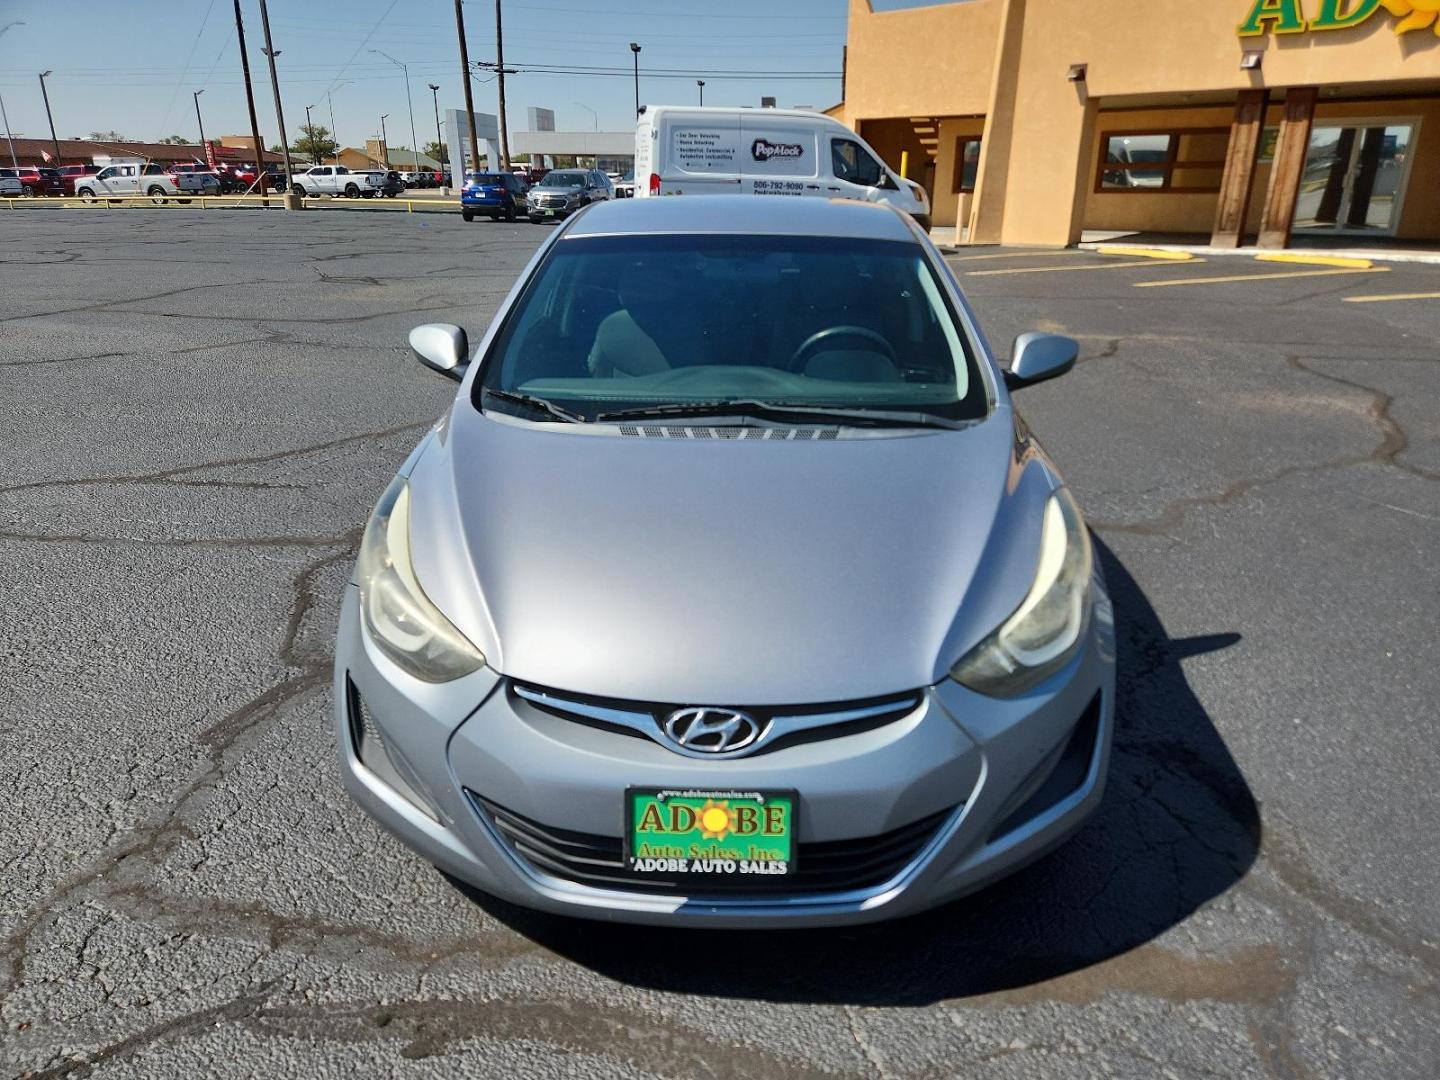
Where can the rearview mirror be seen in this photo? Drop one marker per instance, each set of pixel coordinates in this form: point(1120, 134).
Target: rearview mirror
point(1037, 357)
point(442, 346)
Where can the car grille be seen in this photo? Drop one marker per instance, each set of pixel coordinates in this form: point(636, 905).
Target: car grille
point(780, 727)
point(830, 866)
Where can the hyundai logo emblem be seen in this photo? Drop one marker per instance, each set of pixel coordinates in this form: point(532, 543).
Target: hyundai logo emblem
point(699, 730)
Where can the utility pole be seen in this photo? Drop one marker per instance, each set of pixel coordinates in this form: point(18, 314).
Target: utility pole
point(635, 48)
point(384, 141)
point(439, 139)
point(262, 178)
point(310, 134)
point(457, 168)
point(500, 76)
point(292, 201)
point(414, 147)
point(53, 140)
point(701, 84)
point(201, 124)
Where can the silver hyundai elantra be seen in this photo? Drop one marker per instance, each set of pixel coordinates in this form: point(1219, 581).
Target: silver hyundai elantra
point(731, 590)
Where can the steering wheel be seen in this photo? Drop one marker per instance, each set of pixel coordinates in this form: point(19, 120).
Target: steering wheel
point(870, 337)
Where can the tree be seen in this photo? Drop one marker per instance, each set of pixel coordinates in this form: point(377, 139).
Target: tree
point(176, 140)
point(315, 142)
point(438, 151)
point(108, 136)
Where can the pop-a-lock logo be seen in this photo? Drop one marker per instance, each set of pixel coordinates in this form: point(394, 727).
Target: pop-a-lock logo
point(761, 150)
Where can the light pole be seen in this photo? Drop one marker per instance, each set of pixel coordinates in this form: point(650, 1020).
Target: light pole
point(330, 101)
point(635, 48)
point(292, 201)
point(414, 149)
point(43, 93)
point(458, 167)
point(384, 142)
point(14, 161)
point(262, 178)
point(500, 74)
point(439, 138)
point(201, 125)
point(594, 116)
point(701, 84)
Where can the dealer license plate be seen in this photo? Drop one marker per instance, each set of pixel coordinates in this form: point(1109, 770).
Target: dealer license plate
point(728, 834)
point(547, 213)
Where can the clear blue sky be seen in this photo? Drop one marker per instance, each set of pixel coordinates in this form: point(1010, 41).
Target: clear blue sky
point(131, 67)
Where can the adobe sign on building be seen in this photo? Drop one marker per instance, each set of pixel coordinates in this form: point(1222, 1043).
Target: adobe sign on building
point(1288, 16)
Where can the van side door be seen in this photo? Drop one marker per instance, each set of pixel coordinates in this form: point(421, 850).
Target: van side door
point(779, 156)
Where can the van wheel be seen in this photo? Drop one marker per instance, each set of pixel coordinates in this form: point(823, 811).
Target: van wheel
point(351, 190)
point(157, 194)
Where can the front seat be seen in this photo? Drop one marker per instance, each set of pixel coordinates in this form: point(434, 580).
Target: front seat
point(658, 324)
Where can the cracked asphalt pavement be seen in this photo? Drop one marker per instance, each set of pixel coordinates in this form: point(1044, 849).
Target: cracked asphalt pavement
point(199, 410)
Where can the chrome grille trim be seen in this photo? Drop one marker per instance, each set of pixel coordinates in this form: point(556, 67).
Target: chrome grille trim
point(778, 724)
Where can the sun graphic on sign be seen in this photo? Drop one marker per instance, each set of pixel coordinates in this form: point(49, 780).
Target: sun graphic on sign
point(715, 820)
point(1414, 14)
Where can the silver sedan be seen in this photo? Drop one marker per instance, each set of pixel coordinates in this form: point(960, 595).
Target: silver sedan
point(731, 590)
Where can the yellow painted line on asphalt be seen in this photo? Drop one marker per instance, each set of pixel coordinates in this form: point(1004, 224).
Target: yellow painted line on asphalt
point(1255, 277)
point(1147, 253)
point(1397, 296)
point(1015, 255)
point(1057, 269)
point(1315, 260)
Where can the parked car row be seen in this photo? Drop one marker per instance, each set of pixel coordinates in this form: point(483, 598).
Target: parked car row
point(337, 181)
point(558, 194)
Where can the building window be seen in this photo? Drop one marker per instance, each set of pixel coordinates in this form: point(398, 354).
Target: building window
point(1181, 161)
point(967, 164)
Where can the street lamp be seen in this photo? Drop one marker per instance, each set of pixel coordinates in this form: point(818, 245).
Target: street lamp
point(414, 148)
point(594, 116)
point(3, 114)
point(43, 93)
point(331, 102)
point(635, 48)
point(701, 84)
point(384, 142)
point(201, 124)
point(439, 139)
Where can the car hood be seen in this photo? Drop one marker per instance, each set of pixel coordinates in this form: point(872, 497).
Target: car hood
point(724, 572)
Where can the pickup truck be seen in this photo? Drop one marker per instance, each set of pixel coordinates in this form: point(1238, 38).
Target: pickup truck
point(152, 180)
point(337, 180)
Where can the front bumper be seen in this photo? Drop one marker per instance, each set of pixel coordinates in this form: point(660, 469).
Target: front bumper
point(1005, 781)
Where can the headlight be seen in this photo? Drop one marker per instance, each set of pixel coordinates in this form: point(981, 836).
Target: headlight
point(1045, 630)
point(402, 621)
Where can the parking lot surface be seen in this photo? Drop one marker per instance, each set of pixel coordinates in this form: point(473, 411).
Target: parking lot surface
point(199, 411)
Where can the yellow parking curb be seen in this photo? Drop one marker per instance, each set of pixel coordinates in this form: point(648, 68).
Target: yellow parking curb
point(1397, 296)
point(1315, 260)
point(1146, 253)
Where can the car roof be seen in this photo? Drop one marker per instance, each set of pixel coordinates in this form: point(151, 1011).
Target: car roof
point(742, 215)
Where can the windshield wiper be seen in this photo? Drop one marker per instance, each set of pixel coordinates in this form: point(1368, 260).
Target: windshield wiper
point(538, 403)
point(789, 410)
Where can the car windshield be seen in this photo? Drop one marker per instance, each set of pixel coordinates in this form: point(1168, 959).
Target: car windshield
point(564, 180)
point(756, 326)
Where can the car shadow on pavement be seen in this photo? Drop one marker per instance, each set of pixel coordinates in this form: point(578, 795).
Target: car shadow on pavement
point(1177, 827)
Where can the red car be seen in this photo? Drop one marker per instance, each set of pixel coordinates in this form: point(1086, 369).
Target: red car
point(40, 180)
point(70, 173)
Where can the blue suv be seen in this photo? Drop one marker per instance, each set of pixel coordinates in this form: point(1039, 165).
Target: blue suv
point(496, 194)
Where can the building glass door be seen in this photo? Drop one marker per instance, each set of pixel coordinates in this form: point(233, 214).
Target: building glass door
point(1354, 180)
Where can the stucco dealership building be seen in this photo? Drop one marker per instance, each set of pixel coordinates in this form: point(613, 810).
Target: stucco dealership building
point(1033, 120)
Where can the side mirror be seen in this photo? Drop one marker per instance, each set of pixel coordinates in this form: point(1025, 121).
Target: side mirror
point(1037, 357)
point(442, 346)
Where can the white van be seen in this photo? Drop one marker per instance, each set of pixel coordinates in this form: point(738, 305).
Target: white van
point(683, 150)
